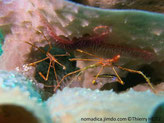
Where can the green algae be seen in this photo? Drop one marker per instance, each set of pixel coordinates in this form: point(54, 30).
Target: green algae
point(1, 41)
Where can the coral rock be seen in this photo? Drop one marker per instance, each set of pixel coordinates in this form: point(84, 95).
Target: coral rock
point(78, 104)
point(16, 106)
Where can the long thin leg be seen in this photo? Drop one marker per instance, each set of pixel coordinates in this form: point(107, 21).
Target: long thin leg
point(32, 64)
point(139, 72)
point(94, 81)
point(118, 77)
point(74, 78)
point(81, 51)
point(58, 85)
point(53, 65)
point(43, 35)
point(50, 46)
point(64, 67)
point(82, 69)
point(67, 54)
point(36, 47)
point(79, 59)
point(48, 71)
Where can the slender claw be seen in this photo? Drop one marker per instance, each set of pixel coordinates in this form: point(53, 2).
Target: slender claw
point(64, 68)
point(32, 64)
point(94, 81)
